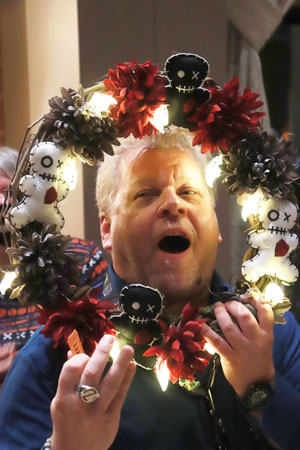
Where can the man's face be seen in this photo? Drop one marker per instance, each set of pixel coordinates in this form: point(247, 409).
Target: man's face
point(162, 230)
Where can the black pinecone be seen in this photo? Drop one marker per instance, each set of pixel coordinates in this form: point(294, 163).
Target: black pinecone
point(261, 160)
point(69, 124)
point(46, 268)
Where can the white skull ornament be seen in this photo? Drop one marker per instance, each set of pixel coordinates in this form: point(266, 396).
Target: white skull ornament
point(43, 188)
point(275, 242)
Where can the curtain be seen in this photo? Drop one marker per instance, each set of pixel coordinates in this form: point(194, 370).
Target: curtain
point(251, 23)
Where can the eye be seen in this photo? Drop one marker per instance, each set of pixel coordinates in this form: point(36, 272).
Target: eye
point(146, 193)
point(136, 306)
point(188, 191)
point(180, 73)
point(47, 161)
point(273, 215)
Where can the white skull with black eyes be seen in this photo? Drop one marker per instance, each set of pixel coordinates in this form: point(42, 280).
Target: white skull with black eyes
point(44, 187)
point(141, 304)
point(275, 242)
point(277, 216)
point(186, 71)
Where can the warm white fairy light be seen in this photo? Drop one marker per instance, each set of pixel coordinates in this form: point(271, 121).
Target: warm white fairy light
point(162, 373)
point(70, 174)
point(209, 348)
point(213, 170)
point(273, 293)
point(7, 281)
point(160, 118)
point(250, 204)
point(115, 350)
point(99, 103)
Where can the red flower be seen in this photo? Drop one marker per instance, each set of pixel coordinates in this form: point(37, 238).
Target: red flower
point(139, 91)
point(183, 346)
point(87, 315)
point(225, 117)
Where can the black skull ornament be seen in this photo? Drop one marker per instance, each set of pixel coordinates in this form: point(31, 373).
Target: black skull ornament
point(140, 303)
point(186, 73)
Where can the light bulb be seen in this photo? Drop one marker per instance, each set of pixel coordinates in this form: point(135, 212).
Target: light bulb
point(213, 170)
point(162, 373)
point(7, 281)
point(250, 204)
point(69, 173)
point(273, 293)
point(99, 104)
point(160, 118)
point(114, 353)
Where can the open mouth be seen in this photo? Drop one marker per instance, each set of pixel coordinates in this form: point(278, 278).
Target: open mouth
point(174, 244)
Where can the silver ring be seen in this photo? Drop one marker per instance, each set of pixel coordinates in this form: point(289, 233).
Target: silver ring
point(88, 394)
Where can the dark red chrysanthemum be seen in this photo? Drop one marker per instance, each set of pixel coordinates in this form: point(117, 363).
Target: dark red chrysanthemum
point(139, 91)
point(183, 346)
point(225, 117)
point(88, 316)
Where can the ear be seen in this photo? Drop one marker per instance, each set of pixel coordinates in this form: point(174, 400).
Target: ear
point(105, 226)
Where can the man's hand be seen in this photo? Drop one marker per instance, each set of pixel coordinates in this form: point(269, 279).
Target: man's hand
point(246, 351)
point(7, 353)
point(78, 425)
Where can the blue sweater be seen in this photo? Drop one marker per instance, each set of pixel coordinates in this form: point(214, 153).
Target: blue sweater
point(152, 419)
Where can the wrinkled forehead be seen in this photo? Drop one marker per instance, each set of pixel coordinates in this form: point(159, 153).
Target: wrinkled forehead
point(153, 160)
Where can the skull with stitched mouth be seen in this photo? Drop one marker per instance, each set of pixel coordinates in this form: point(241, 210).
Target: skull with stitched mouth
point(141, 304)
point(186, 71)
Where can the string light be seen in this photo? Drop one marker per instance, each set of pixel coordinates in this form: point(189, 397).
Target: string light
point(69, 174)
point(250, 204)
point(115, 350)
point(274, 294)
point(160, 118)
point(209, 348)
point(213, 170)
point(162, 373)
point(7, 281)
point(99, 104)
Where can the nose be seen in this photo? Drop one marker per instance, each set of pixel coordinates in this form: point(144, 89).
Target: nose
point(170, 204)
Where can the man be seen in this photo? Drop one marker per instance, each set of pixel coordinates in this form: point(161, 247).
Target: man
point(158, 222)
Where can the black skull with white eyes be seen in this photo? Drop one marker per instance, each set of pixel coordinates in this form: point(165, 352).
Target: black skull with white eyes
point(141, 304)
point(186, 72)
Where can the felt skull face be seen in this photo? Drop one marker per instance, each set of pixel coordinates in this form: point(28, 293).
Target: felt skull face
point(48, 161)
point(186, 71)
point(277, 216)
point(142, 304)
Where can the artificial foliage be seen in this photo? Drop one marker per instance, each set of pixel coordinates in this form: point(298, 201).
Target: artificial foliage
point(225, 117)
point(72, 123)
point(46, 267)
point(260, 160)
point(139, 90)
point(88, 316)
point(182, 346)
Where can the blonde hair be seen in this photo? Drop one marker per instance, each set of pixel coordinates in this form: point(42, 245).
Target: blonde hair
point(109, 173)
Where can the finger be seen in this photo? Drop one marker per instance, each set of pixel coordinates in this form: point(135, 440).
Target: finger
point(231, 331)
point(117, 402)
point(112, 381)
point(245, 319)
point(265, 315)
point(7, 349)
point(93, 371)
point(221, 346)
point(71, 374)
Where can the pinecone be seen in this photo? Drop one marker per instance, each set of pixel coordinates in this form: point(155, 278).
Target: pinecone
point(46, 269)
point(261, 160)
point(70, 122)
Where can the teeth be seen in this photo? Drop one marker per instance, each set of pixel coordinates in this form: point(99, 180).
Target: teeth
point(185, 89)
point(139, 320)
